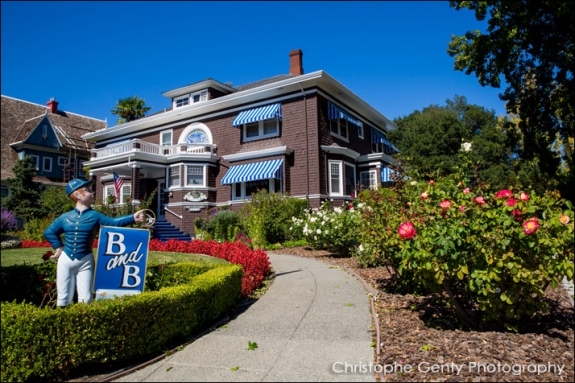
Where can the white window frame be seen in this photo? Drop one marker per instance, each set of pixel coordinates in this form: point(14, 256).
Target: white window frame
point(44, 131)
point(108, 191)
point(171, 140)
point(341, 122)
point(339, 174)
point(203, 168)
point(202, 96)
point(47, 168)
point(179, 177)
point(261, 134)
point(371, 179)
point(37, 160)
point(243, 196)
point(183, 100)
point(360, 132)
point(125, 193)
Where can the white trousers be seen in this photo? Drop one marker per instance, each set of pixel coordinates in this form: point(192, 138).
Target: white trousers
point(72, 274)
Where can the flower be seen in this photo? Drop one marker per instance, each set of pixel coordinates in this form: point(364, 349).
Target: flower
point(424, 196)
point(517, 214)
point(466, 191)
point(413, 183)
point(466, 147)
point(564, 219)
point(445, 204)
point(511, 202)
point(531, 225)
point(523, 196)
point(406, 230)
point(480, 200)
point(462, 208)
point(505, 193)
point(431, 182)
point(318, 231)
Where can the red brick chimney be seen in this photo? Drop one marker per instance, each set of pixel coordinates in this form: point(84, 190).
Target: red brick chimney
point(295, 66)
point(53, 105)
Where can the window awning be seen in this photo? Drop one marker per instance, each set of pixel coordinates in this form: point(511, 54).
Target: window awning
point(378, 138)
point(254, 172)
point(258, 114)
point(386, 174)
point(334, 113)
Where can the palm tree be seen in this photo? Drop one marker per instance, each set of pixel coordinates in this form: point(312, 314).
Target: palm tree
point(130, 109)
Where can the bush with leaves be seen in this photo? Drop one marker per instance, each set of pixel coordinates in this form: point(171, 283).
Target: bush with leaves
point(492, 252)
point(268, 216)
point(331, 229)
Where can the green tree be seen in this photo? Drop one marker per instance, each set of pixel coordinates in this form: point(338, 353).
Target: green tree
point(130, 109)
point(530, 46)
point(56, 201)
point(25, 194)
point(431, 141)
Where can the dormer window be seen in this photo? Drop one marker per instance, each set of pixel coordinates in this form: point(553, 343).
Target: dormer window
point(192, 98)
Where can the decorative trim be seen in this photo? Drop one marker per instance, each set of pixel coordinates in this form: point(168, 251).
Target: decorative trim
point(341, 150)
point(282, 150)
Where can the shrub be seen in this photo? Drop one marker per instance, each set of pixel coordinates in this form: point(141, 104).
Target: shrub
point(34, 228)
point(7, 221)
point(493, 253)
point(268, 216)
point(332, 229)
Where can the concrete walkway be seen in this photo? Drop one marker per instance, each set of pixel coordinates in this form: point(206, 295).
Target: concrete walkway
point(313, 325)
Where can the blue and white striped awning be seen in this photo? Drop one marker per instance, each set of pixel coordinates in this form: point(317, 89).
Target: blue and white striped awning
point(258, 114)
point(333, 113)
point(378, 138)
point(254, 172)
point(386, 174)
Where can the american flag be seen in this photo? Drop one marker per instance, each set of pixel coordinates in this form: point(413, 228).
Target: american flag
point(118, 182)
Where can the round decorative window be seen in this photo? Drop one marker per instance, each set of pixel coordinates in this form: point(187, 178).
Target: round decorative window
point(197, 137)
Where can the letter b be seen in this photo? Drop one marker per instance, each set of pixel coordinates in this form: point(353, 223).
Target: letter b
point(134, 274)
point(115, 239)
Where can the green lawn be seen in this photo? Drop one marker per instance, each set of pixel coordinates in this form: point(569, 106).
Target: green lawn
point(34, 255)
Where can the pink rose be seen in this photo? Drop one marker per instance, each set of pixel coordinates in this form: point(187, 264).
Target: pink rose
point(462, 208)
point(480, 200)
point(466, 191)
point(510, 202)
point(531, 225)
point(505, 193)
point(406, 230)
point(445, 204)
point(431, 182)
point(424, 196)
point(523, 196)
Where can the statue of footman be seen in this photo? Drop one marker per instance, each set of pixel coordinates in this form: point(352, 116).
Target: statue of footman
point(75, 268)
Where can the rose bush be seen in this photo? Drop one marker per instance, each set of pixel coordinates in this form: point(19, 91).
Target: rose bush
point(331, 229)
point(493, 253)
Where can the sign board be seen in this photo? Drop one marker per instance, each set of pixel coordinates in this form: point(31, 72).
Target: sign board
point(121, 263)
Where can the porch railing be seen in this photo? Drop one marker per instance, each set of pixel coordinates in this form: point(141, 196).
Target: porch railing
point(137, 145)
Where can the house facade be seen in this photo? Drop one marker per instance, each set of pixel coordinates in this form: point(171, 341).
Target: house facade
point(304, 135)
point(52, 137)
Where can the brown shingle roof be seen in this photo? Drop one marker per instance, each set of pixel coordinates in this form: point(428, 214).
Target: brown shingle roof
point(19, 118)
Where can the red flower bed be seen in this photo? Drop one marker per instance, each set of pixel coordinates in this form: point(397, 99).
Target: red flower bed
point(255, 263)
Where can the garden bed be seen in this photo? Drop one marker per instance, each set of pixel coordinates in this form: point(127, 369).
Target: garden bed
point(419, 331)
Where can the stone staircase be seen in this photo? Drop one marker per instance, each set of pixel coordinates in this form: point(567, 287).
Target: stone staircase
point(163, 230)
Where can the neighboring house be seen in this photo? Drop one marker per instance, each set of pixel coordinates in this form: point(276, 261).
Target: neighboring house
point(52, 137)
point(305, 135)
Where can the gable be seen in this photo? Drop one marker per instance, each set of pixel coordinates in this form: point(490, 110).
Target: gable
point(44, 135)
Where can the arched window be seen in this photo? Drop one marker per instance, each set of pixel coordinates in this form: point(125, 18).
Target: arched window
point(196, 133)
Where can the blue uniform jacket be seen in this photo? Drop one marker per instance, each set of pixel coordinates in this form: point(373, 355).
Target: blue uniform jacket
point(79, 228)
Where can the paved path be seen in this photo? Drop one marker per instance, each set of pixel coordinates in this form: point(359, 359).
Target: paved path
point(313, 321)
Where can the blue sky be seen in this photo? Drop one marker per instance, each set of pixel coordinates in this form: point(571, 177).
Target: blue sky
point(88, 55)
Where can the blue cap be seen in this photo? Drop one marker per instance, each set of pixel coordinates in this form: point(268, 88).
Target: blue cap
point(76, 184)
